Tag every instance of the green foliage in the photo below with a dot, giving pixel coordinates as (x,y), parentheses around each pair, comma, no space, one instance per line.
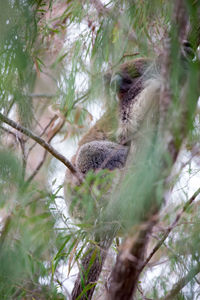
(36,238)
(28,241)
(18,33)
(10,176)
(88,199)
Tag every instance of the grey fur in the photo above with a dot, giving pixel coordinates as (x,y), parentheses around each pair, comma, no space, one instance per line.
(98,155)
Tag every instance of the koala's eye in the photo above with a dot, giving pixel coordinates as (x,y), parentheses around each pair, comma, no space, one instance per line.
(127,81)
(187,50)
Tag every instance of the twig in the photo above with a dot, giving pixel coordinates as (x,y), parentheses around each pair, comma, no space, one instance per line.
(10,107)
(142,294)
(24,157)
(42,95)
(174,223)
(81,98)
(42,143)
(44,155)
(4,231)
(14,134)
(43,132)
(38,167)
(101,9)
(181,283)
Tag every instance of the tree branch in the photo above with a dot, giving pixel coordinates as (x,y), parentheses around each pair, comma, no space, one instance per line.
(174,223)
(42,95)
(43,132)
(91,267)
(181,283)
(124,276)
(101,9)
(42,143)
(45,153)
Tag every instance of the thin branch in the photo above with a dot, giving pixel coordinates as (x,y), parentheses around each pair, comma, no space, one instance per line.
(180,260)
(43,132)
(38,167)
(14,134)
(101,9)
(181,283)
(10,107)
(24,157)
(42,95)
(45,154)
(174,223)
(42,143)
(142,294)
(81,98)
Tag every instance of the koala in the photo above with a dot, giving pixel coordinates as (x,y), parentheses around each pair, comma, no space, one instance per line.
(131,124)
(137,85)
(105,146)
(97,150)
(107,143)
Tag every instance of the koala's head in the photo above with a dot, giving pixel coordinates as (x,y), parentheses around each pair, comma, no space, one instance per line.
(128,79)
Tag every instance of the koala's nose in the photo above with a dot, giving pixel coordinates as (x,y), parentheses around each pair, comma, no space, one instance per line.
(116,83)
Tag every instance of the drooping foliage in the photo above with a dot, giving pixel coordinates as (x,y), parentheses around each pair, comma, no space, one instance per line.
(53,58)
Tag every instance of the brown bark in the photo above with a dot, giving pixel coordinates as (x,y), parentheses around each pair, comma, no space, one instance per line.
(90,269)
(124,276)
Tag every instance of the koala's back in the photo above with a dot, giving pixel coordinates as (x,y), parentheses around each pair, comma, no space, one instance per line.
(98,155)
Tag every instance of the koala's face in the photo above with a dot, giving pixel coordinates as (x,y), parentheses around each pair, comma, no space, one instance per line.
(126,83)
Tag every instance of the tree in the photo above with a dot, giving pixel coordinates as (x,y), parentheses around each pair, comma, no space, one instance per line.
(53,58)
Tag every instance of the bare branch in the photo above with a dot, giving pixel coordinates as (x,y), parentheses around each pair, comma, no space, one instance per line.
(42,143)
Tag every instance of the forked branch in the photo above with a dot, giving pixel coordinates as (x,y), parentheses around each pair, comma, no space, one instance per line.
(42,143)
